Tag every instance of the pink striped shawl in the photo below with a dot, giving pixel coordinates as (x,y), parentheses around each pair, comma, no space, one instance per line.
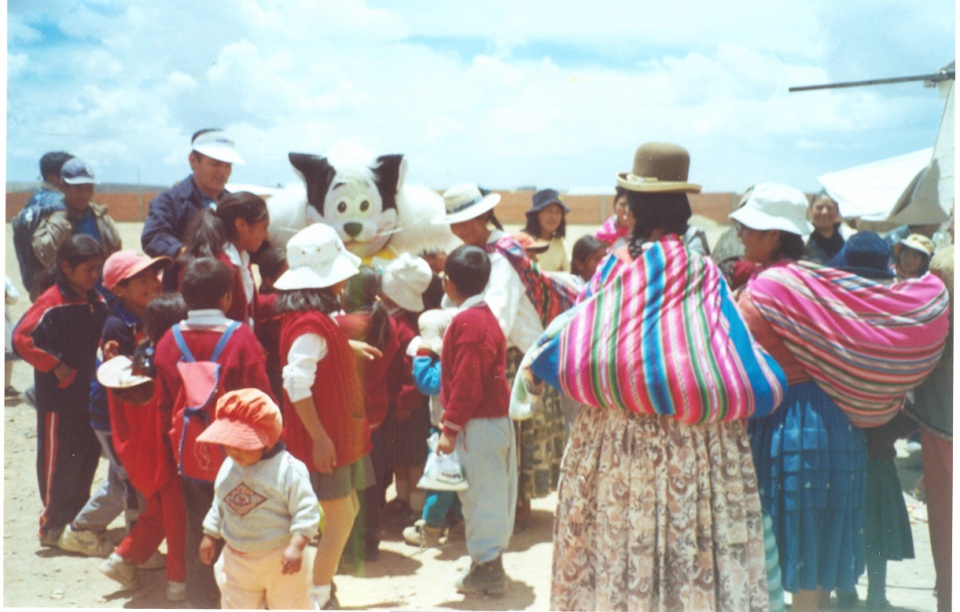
(661,336)
(865,343)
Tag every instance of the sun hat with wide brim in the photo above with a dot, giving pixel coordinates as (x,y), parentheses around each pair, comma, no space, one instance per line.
(544,198)
(773,206)
(659,167)
(317,259)
(464,202)
(529,243)
(117,373)
(917,242)
(404,281)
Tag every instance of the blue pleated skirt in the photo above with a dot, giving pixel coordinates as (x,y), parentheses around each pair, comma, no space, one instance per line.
(811,468)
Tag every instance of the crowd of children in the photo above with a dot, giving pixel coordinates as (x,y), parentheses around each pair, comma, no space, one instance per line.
(243,422)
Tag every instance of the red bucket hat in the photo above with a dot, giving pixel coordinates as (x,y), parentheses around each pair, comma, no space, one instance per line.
(246,419)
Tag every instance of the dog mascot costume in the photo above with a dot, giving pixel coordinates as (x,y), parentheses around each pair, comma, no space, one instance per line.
(375,214)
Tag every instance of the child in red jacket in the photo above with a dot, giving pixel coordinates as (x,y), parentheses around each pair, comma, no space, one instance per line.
(476,402)
(206,286)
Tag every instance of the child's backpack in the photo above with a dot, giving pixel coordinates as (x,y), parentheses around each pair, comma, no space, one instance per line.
(194,409)
(24,225)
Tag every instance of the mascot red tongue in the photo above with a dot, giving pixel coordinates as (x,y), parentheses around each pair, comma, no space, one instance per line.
(375,214)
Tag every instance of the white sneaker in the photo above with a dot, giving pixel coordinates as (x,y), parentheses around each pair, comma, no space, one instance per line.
(116,568)
(176,591)
(84,542)
(157,560)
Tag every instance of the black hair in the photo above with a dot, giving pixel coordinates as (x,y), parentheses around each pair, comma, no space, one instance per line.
(199,133)
(791,247)
(75,250)
(491,218)
(210,230)
(52,162)
(619,192)
(205,281)
(301,300)
(468,268)
(162,313)
(361,294)
(271,261)
(433,296)
(585,246)
(667,212)
(533,225)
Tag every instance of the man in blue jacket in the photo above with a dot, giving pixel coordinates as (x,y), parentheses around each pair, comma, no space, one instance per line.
(212,156)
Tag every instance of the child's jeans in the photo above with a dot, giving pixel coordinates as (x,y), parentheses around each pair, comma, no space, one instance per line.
(254,581)
(488,454)
(114,496)
(438,504)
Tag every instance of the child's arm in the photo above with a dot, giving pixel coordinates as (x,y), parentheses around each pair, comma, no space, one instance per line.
(293,555)
(304,515)
(37,342)
(211,533)
(465,394)
(298,377)
(426,374)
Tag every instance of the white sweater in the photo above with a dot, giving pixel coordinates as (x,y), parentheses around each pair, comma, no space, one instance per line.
(260,507)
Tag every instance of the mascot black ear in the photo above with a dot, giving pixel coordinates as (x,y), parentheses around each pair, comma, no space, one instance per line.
(388,174)
(317,175)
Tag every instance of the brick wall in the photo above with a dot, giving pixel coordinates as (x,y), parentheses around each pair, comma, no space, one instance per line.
(584,209)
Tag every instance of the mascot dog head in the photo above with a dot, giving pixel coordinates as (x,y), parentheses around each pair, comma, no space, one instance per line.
(360,203)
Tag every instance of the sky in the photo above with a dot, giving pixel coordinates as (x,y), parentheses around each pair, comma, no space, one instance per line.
(503,93)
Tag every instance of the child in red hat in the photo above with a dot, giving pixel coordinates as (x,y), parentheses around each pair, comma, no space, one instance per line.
(264,509)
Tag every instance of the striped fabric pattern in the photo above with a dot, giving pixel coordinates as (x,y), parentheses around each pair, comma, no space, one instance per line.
(661,336)
(864,342)
(549,296)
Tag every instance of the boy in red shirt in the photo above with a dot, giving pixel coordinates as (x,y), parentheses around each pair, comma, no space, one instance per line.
(476,401)
(207,289)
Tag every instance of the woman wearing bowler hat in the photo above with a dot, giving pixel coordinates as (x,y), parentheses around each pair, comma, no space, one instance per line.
(547,220)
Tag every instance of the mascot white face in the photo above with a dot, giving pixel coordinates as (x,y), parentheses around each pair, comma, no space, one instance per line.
(353,206)
(359,202)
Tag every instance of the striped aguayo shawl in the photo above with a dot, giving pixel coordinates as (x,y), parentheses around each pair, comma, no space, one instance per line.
(661,336)
(864,342)
(549,296)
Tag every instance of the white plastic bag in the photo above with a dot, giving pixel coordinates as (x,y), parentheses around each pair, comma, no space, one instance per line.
(442,472)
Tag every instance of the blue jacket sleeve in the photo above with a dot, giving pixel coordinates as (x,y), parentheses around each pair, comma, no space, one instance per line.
(426,375)
(159,230)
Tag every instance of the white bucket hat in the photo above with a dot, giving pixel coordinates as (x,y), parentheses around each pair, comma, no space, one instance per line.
(217,145)
(404,281)
(117,373)
(317,259)
(464,202)
(773,206)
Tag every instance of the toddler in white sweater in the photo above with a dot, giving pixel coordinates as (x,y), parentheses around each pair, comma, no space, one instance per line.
(264,509)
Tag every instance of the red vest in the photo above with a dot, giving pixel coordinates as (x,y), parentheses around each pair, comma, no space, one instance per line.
(336,392)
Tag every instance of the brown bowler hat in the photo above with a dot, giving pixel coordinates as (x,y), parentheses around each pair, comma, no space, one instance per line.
(659,167)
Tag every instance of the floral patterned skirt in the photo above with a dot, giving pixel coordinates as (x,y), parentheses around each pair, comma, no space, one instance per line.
(654,514)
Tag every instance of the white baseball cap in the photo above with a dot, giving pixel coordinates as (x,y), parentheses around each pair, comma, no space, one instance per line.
(217,145)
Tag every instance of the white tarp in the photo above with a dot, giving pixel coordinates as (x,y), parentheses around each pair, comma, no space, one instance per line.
(872,190)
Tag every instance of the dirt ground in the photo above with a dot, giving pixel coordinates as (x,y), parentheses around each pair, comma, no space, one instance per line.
(403,578)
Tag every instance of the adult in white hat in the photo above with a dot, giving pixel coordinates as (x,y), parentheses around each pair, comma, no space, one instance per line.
(324,422)
(470,214)
(212,156)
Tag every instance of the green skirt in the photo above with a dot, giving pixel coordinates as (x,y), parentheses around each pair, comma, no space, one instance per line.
(887,529)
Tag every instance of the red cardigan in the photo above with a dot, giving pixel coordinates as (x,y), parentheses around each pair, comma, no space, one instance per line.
(400,376)
(473,362)
(336,392)
(373,374)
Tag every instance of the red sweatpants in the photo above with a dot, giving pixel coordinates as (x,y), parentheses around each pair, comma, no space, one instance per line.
(165,516)
(938,481)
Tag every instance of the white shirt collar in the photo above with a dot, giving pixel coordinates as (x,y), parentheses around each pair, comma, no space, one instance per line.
(207,317)
(470,302)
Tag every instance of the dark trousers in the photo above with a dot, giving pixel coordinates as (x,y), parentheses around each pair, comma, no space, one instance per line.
(365,535)
(202,589)
(67,456)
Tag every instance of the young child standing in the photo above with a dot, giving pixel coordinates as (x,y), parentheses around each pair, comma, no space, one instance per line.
(59,336)
(325,424)
(207,290)
(236,229)
(476,401)
(405,279)
(265,509)
(271,263)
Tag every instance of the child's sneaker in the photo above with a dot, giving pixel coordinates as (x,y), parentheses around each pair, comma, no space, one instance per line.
(176,591)
(422,535)
(488,578)
(116,568)
(51,538)
(84,542)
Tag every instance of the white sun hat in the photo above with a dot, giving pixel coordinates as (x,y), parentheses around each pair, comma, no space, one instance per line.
(404,281)
(464,202)
(217,145)
(117,373)
(317,259)
(774,206)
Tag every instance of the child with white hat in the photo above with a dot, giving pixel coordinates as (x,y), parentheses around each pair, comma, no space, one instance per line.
(326,427)
(264,508)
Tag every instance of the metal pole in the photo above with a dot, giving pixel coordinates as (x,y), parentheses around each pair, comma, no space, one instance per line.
(933,78)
